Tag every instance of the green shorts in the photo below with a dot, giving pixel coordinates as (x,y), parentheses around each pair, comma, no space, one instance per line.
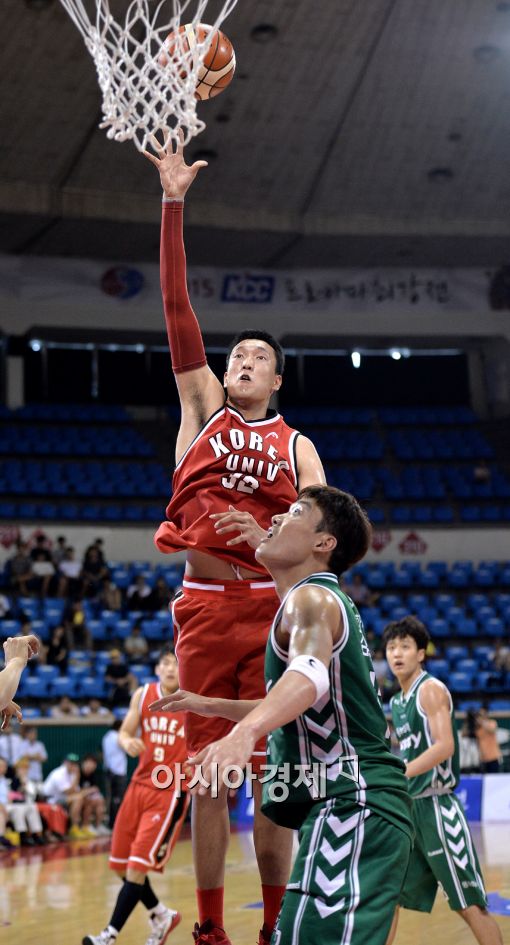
(444,856)
(346,880)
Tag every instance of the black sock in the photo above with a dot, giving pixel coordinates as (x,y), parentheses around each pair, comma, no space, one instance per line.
(128,897)
(148,896)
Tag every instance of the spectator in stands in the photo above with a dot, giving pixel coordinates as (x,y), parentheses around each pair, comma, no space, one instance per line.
(22,808)
(69,575)
(117,675)
(94,806)
(43,570)
(78,634)
(5,608)
(94,572)
(97,546)
(62,786)
(135,645)
(4,800)
(160,596)
(20,569)
(40,549)
(115,768)
(11,747)
(59,550)
(380,666)
(138,594)
(358,591)
(481,472)
(64,709)
(110,597)
(57,651)
(35,752)
(500,657)
(95,710)
(486,732)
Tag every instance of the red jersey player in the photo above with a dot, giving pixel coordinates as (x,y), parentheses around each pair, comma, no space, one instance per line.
(151,816)
(238,463)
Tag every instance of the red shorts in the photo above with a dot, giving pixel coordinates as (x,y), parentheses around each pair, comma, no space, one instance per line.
(221,631)
(146,828)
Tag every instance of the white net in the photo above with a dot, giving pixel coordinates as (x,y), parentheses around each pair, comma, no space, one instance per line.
(145,87)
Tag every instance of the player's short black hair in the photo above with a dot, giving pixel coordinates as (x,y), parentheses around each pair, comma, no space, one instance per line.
(408,626)
(342,517)
(166,650)
(260,336)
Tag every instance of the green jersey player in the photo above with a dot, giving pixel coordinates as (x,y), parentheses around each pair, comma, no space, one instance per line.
(332,774)
(443,853)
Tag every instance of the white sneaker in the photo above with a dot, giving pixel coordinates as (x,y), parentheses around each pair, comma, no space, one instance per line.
(103,831)
(161,926)
(104,938)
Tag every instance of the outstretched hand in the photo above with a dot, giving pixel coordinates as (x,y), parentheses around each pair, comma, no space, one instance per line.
(176,176)
(242,522)
(11,710)
(182,701)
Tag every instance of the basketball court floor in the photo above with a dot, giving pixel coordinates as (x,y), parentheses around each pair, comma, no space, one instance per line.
(55,896)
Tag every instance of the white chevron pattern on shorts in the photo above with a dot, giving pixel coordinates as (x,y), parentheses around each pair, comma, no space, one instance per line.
(325,911)
(457,847)
(335,856)
(325,729)
(453,829)
(449,813)
(461,863)
(329,886)
(339,827)
(328,757)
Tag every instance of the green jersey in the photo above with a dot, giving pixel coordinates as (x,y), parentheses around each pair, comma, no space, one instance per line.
(413,732)
(339,748)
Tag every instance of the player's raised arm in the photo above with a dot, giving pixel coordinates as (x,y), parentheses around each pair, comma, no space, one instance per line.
(200,391)
(309,467)
(128,740)
(435,702)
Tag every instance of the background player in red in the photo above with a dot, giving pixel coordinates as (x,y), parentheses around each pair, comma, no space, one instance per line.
(150,817)
(238,463)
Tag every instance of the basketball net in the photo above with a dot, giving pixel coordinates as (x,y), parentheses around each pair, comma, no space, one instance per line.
(145,90)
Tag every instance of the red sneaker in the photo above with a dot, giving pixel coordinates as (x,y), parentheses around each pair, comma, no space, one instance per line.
(265,935)
(210,934)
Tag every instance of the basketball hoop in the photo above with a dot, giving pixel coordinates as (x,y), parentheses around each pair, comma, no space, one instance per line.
(144,89)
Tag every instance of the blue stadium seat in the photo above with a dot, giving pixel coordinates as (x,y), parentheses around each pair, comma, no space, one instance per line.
(97,629)
(428,578)
(65,686)
(466,627)
(438,667)
(439,628)
(34,687)
(153,630)
(456,652)
(469,705)
(49,673)
(120,711)
(493,627)
(444,601)
(92,687)
(460,682)
(467,666)
(499,705)
(417,601)
(9,628)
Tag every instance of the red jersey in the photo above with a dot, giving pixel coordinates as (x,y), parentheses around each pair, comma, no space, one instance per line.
(163,735)
(250,464)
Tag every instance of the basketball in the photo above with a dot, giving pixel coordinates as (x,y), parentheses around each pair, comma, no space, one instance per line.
(218,66)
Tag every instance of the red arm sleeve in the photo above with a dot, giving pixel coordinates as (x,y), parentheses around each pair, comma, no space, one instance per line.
(184,335)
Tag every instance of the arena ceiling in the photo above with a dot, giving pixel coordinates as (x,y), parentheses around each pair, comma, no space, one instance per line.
(357,133)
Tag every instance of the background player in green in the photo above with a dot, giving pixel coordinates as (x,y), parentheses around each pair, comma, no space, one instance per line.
(323,707)
(443,852)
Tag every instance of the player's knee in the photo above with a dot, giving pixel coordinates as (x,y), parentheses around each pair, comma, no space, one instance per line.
(135,876)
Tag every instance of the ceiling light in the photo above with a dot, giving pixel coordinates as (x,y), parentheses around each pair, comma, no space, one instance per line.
(356,359)
(35,344)
(396,354)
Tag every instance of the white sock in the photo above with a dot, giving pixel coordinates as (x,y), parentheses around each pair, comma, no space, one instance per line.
(111,931)
(160,909)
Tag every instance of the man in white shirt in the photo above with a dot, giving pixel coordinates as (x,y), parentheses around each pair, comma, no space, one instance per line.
(11,746)
(115,768)
(62,787)
(35,751)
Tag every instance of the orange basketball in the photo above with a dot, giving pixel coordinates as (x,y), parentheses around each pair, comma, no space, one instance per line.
(217,69)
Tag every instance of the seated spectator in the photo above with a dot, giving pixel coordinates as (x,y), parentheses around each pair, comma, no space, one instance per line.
(59,550)
(43,570)
(78,634)
(95,710)
(160,596)
(94,804)
(358,591)
(41,548)
(35,752)
(62,786)
(138,594)
(486,733)
(97,546)
(500,657)
(20,569)
(135,645)
(57,651)
(110,597)
(69,575)
(124,683)
(481,472)
(94,572)
(64,709)
(22,808)
(5,786)
(115,768)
